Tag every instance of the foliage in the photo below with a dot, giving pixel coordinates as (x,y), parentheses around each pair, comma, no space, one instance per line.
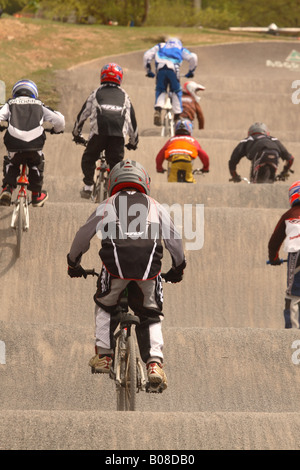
(12,6)
(213,13)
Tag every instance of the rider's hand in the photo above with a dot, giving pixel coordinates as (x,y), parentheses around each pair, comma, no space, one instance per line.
(190,74)
(275,262)
(79,139)
(175,275)
(77,271)
(149,73)
(283,175)
(130,146)
(74,269)
(236,178)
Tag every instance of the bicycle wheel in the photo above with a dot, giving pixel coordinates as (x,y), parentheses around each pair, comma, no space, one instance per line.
(100,191)
(130,375)
(20,226)
(119,370)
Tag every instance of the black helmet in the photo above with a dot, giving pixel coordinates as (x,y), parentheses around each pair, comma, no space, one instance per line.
(128,174)
(258,128)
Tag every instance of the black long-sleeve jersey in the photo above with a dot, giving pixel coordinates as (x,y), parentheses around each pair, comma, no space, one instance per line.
(253,146)
(110,112)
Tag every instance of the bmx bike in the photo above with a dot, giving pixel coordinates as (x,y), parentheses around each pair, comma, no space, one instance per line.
(99,192)
(181,174)
(127,370)
(20,216)
(168,125)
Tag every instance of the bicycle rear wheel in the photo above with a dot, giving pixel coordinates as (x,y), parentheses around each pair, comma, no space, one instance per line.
(20,226)
(130,375)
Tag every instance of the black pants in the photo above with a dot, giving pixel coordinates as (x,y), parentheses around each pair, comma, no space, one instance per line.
(35,163)
(114,153)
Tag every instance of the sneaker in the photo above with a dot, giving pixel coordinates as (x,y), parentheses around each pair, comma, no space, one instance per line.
(38,199)
(5,196)
(101,364)
(86,192)
(156,376)
(157,117)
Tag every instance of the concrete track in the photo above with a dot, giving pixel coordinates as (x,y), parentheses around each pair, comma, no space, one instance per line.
(232,368)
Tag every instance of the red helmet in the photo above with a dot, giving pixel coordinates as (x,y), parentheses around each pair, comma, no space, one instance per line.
(294,193)
(111,73)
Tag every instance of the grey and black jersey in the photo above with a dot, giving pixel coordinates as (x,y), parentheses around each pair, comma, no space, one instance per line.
(110,112)
(25,117)
(132,226)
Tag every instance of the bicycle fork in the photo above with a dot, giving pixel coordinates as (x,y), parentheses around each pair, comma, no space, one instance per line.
(16,211)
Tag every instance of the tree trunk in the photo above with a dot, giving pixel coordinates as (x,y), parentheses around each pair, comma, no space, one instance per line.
(146,10)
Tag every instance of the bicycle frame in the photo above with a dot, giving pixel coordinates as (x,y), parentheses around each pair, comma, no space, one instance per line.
(20,216)
(168,126)
(99,193)
(22,182)
(127,371)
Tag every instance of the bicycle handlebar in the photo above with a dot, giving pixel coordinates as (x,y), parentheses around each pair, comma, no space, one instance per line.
(281,261)
(91,272)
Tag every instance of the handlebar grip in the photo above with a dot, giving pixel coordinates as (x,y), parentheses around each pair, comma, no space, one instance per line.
(281,260)
(91,272)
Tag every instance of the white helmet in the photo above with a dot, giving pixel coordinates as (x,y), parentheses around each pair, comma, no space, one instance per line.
(128,174)
(192,89)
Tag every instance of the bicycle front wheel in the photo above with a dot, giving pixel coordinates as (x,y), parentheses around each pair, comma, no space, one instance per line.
(20,226)
(130,383)
(100,191)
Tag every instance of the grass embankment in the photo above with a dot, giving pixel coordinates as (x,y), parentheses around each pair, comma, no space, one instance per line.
(35,49)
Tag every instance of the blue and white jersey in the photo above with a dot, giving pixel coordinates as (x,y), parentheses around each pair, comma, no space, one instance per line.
(170,54)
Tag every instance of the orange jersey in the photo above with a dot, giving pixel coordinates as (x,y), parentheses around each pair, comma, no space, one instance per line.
(180,146)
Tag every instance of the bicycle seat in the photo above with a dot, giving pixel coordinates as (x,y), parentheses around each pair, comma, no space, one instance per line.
(128,319)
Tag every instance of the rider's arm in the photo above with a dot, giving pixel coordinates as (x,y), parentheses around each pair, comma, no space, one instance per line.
(160,158)
(55,117)
(237,154)
(149,56)
(84,114)
(277,237)
(4,112)
(172,238)
(285,155)
(200,116)
(81,242)
(132,127)
(202,155)
(191,58)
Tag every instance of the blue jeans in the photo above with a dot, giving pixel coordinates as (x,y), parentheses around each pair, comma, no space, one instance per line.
(166,77)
